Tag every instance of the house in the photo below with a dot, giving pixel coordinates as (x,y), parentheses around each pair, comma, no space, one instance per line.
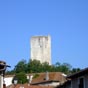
(66,84)
(42,79)
(49,79)
(27,86)
(8,79)
(79,79)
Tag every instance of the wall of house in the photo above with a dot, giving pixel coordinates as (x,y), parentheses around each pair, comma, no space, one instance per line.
(8,80)
(86,81)
(74,83)
(54,84)
(68,86)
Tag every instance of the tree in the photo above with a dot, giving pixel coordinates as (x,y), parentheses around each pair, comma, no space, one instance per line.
(74,70)
(21,77)
(57,64)
(34,66)
(21,66)
(65,67)
(46,67)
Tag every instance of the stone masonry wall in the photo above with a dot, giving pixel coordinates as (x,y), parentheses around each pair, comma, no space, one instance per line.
(41,48)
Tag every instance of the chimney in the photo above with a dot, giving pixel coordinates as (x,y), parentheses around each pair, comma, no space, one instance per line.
(30,78)
(47,76)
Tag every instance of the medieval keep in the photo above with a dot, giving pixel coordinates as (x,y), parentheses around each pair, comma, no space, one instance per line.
(41,48)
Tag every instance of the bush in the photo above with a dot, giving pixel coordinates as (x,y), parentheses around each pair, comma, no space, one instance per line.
(36,75)
(21,77)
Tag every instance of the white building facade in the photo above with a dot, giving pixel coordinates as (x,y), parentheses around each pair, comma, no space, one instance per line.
(41,48)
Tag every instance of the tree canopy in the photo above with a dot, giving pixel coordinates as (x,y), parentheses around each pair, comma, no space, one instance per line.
(34,66)
(20,77)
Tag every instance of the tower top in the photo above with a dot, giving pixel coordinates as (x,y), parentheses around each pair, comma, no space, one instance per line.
(40,36)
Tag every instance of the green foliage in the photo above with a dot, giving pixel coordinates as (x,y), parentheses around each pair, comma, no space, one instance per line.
(74,70)
(10,72)
(46,67)
(65,68)
(21,77)
(36,75)
(34,66)
(21,66)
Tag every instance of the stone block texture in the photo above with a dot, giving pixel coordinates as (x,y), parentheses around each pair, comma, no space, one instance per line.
(41,48)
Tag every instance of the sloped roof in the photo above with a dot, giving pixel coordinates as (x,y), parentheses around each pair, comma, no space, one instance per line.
(53,76)
(78,74)
(27,86)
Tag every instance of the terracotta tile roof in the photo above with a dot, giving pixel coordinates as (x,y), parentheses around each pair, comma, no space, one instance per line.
(27,86)
(53,76)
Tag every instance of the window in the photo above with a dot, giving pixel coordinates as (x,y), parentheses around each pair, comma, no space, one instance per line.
(81,82)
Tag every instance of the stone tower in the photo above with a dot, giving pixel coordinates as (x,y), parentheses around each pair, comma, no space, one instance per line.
(41,48)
